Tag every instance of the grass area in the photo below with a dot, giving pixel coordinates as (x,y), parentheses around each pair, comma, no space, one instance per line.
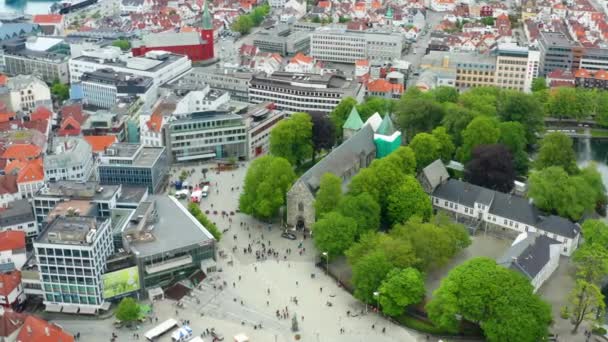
(599,133)
(420,325)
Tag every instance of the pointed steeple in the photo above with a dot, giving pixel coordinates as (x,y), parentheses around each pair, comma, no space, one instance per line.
(354,121)
(386,127)
(207,19)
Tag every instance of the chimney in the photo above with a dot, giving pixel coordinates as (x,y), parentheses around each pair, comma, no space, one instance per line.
(47,331)
(29,330)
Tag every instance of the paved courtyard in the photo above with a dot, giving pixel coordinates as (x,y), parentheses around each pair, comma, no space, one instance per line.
(255,289)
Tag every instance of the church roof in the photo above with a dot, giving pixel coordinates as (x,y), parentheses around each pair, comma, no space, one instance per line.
(207,19)
(354,121)
(386,127)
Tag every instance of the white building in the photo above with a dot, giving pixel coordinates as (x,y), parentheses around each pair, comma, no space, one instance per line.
(532,69)
(12,248)
(160,66)
(260,120)
(104,87)
(443,5)
(11,291)
(18,217)
(71,159)
(9,191)
(344,46)
(26,92)
(202,100)
(71,254)
(302,64)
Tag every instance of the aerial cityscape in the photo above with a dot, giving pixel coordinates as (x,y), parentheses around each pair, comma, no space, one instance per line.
(303,170)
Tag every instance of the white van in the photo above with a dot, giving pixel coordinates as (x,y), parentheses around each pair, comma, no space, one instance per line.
(182,334)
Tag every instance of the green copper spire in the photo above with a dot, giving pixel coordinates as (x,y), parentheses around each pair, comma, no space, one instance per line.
(354,121)
(207,19)
(389,13)
(386,127)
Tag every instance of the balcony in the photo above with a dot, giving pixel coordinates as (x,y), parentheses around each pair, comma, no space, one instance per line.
(168,264)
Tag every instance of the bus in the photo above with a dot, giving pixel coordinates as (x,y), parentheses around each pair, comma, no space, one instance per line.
(161,329)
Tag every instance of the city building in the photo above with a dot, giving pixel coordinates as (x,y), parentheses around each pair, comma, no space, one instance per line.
(50,24)
(206,135)
(103,87)
(24,93)
(555,52)
(283,40)
(12,249)
(70,158)
(512,67)
(202,99)
(23,57)
(345,46)
(168,243)
(11,291)
(151,126)
(18,217)
(534,256)
(35,329)
(135,165)
(591,79)
(493,210)
(71,253)
(160,66)
(104,198)
(198,46)
(30,175)
(9,191)
(236,83)
(11,323)
(295,92)
(474,70)
(260,120)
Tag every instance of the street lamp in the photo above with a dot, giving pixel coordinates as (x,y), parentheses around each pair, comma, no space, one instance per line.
(377,296)
(326,255)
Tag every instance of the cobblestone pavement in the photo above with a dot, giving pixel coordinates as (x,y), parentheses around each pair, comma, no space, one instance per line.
(253,290)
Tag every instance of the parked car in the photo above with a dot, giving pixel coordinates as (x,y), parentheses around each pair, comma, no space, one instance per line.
(288,235)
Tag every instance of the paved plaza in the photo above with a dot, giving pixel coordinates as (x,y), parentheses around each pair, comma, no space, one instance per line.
(254,290)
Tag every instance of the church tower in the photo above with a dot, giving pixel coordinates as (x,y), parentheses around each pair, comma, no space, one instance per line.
(207,31)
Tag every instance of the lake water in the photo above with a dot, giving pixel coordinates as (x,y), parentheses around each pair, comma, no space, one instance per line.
(593,151)
(25,6)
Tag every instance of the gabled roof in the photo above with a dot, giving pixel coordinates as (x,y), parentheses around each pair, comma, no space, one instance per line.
(435,173)
(38,330)
(559,226)
(8,282)
(7,116)
(11,240)
(463,193)
(32,172)
(8,184)
(100,142)
(155,124)
(70,123)
(374,121)
(528,254)
(386,127)
(353,121)
(10,321)
(21,151)
(41,113)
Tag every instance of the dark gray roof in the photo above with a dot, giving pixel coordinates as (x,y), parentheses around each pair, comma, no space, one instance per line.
(341,158)
(463,193)
(529,255)
(515,208)
(558,225)
(435,173)
(19,211)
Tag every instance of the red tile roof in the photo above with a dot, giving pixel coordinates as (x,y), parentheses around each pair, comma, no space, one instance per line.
(32,172)
(383,86)
(11,240)
(73,110)
(69,125)
(155,124)
(38,330)
(9,281)
(41,113)
(100,142)
(362,62)
(7,116)
(8,184)
(39,125)
(581,73)
(10,321)
(3,79)
(301,58)
(601,75)
(47,19)
(21,151)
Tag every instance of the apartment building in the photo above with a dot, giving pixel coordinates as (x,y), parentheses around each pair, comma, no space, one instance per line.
(160,66)
(71,254)
(236,83)
(512,67)
(556,51)
(260,120)
(473,70)
(283,40)
(71,158)
(205,135)
(345,46)
(103,87)
(134,165)
(26,93)
(46,65)
(294,92)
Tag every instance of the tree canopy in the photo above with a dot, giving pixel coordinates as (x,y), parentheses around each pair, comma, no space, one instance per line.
(481,131)
(363,209)
(418,114)
(408,200)
(500,300)
(556,150)
(334,233)
(523,108)
(491,166)
(400,289)
(267,181)
(426,149)
(513,136)
(368,274)
(60,90)
(292,138)
(123,44)
(128,310)
(323,133)
(329,194)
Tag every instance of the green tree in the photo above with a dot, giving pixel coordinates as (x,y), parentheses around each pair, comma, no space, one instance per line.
(363,209)
(195,210)
(456,119)
(481,131)
(591,262)
(513,136)
(481,100)
(595,233)
(400,289)
(123,44)
(374,105)
(523,108)
(377,180)
(488,21)
(445,94)
(446,145)
(243,24)
(334,233)
(60,90)
(593,178)
(328,195)
(339,115)
(563,102)
(556,150)
(292,138)
(586,301)
(601,114)
(501,301)
(418,115)
(128,310)
(539,84)
(368,274)
(407,200)
(396,249)
(426,149)
(266,183)
(553,190)
(404,159)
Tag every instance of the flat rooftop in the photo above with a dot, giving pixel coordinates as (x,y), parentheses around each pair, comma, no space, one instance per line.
(78,207)
(137,154)
(79,190)
(135,63)
(70,230)
(556,38)
(132,194)
(175,228)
